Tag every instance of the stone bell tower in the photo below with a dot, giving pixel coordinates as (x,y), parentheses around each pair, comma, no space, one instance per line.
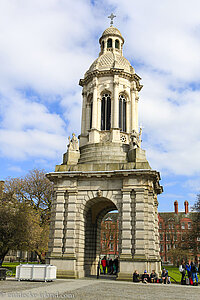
(106,170)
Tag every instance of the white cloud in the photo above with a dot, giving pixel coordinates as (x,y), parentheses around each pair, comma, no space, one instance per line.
(46,47)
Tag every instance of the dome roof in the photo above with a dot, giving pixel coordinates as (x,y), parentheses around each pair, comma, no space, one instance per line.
(110,60)
(112,31)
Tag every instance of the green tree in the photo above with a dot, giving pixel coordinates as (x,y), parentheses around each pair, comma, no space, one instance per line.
(35,191)
(19,225)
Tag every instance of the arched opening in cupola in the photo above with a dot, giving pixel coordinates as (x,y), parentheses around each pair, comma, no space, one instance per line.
(117,44)
(109,43)
(106,112)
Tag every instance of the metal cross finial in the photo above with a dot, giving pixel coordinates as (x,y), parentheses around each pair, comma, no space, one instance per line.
(112,16)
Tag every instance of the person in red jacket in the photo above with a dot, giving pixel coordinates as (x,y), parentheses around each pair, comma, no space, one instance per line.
(104,263)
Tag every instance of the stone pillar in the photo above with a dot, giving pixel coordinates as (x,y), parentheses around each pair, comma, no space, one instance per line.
(115,112)
(70,236)
(136,111)
(70,224)
(94,107)
(128,116)
(57,225)
(133,109)
(139,225)
(83,120)
(126,237)
(116,102)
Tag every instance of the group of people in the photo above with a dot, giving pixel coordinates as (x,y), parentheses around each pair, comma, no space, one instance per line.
(190,269)
(110,266)
(151,278)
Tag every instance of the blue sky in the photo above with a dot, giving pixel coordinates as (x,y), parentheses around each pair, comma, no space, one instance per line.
(47,46)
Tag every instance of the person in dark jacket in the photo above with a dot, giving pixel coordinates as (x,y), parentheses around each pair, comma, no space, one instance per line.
(194,270)
(153,277)
(116,264)
(164,276)
(136,276)
(183,271)
(145,277)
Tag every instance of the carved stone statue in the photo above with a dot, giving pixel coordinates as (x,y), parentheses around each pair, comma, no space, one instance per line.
(135,141)
(73,143)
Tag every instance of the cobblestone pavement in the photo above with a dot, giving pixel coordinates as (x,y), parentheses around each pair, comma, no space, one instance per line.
(92,289)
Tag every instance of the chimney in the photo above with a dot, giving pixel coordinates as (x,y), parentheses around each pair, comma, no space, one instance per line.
(186,207)
(176,207)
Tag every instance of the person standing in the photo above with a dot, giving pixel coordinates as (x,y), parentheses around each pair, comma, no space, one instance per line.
(194,270)
(104,263)
(182,269)
(116,263)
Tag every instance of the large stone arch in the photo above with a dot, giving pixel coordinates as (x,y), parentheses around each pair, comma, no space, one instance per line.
(94,211)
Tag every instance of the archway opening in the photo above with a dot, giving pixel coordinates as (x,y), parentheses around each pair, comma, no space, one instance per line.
(95,210)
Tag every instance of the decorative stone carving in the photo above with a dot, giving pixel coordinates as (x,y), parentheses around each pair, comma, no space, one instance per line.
(73,143)
(99,193)
(72,155)
(105,136)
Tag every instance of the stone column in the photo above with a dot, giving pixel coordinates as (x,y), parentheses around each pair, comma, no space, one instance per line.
(115,112)
(126,244)
(94,107)
(56,228)
(132,109)
(70,226)
(83,120)
(128,116)
(116,102)
(136,111)
(139,224)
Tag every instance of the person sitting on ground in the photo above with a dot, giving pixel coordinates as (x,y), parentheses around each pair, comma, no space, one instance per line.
(153,277)
(164,276)
(136,276)
(145,277)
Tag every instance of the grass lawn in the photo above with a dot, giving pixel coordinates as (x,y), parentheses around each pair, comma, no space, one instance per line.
(12,266)
(174,273)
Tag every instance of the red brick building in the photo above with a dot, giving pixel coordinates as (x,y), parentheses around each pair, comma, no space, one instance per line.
(174,228)
(110,234)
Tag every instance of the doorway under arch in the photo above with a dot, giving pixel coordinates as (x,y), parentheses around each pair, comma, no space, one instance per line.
(94,212)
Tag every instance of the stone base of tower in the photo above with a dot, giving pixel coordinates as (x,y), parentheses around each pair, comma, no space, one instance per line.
(82,199)
(127,268)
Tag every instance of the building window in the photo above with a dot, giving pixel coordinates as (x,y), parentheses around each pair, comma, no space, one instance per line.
(168,247)
(172,226)
(189,225)
(161,237)
(182,225)
(105,112)
(168,236)
(160,225)
(111,247)
(117,44)
(109,43)
(122,112)
(161,248)
(169,226)
(103,45)
(175,237)
(111,236)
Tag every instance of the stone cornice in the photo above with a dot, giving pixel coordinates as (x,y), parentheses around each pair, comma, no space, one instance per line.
(154,175)
(114,71)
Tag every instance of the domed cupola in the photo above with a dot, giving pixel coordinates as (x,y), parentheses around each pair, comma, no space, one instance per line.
(110,102)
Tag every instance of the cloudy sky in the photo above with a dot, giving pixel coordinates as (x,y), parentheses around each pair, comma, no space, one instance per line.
(46,47)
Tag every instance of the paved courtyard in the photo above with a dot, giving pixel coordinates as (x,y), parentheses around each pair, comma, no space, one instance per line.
(93,289)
